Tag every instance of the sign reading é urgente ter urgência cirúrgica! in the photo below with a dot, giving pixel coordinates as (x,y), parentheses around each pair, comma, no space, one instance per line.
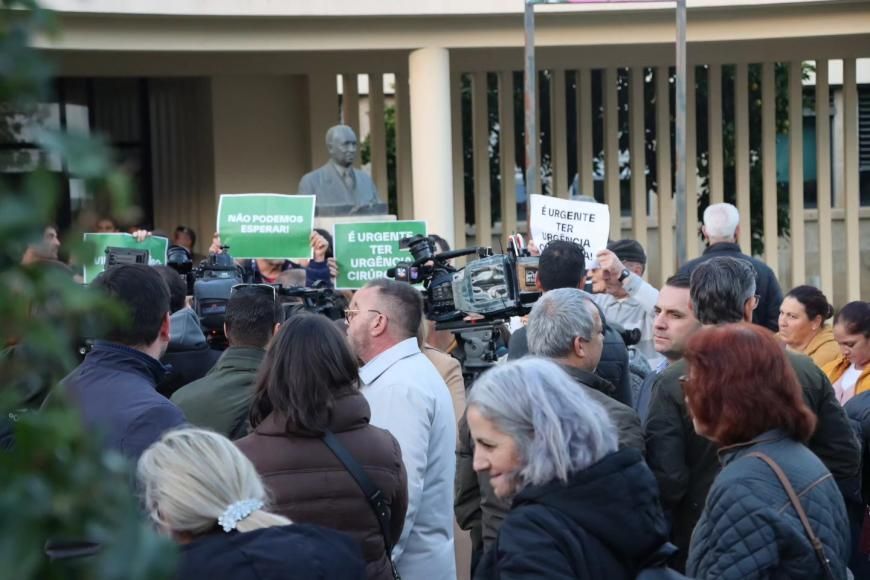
(587,224)
(364,251)
(266,225)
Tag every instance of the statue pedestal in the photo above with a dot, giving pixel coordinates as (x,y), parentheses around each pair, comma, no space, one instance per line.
(326,222)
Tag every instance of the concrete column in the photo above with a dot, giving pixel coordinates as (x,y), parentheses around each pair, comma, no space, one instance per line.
(264,150)
(431,139)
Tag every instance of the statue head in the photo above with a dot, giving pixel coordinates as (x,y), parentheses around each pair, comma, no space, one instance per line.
(341,144)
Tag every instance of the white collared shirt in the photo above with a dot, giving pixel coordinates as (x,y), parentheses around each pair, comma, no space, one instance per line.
(408,398)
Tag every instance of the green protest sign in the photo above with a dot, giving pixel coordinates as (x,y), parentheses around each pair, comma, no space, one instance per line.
(365,250)
(155,245)
(266,225)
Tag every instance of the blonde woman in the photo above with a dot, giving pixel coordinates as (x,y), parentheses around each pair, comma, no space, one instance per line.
(203,492)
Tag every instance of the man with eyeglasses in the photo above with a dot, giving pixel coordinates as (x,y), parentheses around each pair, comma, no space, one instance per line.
(408,397)
(722,291)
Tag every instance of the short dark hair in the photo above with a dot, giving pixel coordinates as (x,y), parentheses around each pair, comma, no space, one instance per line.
(855,316)
(719,289)
(813,300)
(177,287)
(441,244)
(250,318)
(679,280)
(404,305)
(562,265)
(144,297)
(728,395)
(307,367)
(188,231)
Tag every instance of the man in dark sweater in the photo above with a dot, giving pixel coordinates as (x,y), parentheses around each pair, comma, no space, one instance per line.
(114,387)
(221,399)
(721,229)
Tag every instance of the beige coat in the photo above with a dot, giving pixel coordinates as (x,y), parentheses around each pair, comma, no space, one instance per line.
(451,371)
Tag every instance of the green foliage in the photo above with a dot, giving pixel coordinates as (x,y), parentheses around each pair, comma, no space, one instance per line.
(55,483)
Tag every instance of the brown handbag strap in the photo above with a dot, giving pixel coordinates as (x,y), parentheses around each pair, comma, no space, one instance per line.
(796,502)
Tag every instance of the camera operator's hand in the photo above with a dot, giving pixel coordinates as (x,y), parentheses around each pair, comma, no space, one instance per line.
(610,265)
(532,247)
(333,268)
(141,235)
(320,247)
(215,247)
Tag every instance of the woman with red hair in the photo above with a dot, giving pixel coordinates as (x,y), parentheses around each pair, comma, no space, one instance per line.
(774,511)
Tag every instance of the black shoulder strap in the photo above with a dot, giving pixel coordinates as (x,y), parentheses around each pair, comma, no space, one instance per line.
(373,494)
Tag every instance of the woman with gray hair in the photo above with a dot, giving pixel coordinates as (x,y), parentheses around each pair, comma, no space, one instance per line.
(200,490)
(580,508)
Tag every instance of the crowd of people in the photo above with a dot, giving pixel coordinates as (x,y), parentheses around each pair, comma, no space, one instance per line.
(711,428)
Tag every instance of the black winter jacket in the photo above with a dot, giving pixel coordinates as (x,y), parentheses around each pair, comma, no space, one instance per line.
(188,356)
(766,285)
(749,528)
(685,463)
(294,552)
(475,504)
(600,525)
(858,410)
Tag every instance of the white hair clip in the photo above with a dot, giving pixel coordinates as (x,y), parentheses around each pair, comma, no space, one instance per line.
(238,511)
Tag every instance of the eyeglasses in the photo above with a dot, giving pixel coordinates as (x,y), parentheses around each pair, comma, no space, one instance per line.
(351,312)
(266,289)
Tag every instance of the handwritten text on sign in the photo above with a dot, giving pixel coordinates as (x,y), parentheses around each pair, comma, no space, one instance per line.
(584,223)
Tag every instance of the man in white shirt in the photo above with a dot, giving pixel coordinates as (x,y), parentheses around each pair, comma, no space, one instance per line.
(409,398)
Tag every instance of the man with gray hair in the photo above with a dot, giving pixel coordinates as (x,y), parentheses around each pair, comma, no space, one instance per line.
(565,327)
(722,291)
(720,230)
(408,398)
(340,188)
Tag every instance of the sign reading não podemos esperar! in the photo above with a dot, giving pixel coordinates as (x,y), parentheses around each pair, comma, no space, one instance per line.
(266,225)
(364,251)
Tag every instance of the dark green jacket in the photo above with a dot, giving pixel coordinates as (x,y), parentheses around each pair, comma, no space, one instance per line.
(221,399)
(685,463)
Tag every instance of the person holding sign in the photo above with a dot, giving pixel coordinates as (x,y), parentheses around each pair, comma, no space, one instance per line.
(267,271)
(623,295)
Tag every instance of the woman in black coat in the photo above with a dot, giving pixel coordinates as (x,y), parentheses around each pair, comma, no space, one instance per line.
(204,493)
(750,527)
(581,509)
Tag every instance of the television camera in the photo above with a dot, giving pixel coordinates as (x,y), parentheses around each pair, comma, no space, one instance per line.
(213,280)
(474,302)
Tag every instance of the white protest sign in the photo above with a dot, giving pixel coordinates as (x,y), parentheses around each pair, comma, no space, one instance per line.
(585,223)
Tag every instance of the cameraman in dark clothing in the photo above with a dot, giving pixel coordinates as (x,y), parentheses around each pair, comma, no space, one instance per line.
(188,356)
(115,387)
(563,265)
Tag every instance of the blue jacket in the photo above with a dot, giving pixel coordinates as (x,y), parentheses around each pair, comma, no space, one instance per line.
(749,528)
(603,524)
(115,391)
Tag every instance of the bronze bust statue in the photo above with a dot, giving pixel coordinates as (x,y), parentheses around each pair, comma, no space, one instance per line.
(340,188)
